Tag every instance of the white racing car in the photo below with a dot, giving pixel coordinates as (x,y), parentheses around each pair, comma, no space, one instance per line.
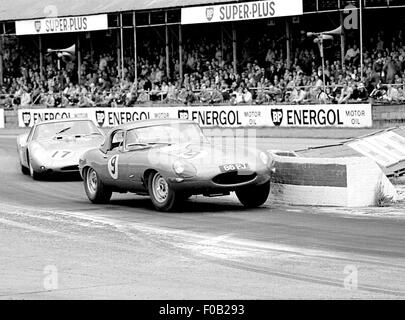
(56,146)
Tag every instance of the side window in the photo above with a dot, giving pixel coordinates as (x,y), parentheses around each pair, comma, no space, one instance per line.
(131,139)
(117,140)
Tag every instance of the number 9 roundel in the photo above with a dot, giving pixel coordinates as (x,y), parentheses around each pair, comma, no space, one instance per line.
(113,167)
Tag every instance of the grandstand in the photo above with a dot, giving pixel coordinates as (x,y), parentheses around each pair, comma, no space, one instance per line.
(121,53)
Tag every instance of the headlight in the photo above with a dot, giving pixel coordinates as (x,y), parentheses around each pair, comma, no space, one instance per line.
(264,157)
(184,169)
(178,167)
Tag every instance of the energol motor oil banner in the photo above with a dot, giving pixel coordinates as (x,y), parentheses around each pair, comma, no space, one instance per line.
(330,115)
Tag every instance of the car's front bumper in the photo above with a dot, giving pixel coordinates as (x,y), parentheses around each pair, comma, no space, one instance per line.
(207,186)
(67,166)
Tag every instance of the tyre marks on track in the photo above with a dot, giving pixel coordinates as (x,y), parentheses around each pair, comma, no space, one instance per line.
(223,249)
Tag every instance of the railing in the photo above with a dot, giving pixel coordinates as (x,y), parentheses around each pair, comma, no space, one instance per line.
(162,96)
(4,101)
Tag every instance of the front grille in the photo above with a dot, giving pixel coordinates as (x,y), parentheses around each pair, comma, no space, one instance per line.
(233,178)
(70,168)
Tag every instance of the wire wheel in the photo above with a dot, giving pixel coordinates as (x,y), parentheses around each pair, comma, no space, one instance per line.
(95,189)
(160,188)
(163,197)
(92,181)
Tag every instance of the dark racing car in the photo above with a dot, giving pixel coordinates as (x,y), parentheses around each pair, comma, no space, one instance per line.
(170,160)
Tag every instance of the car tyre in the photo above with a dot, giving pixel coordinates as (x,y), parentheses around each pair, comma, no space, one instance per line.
(25,170)
(163,197)
(95,189)
(253,197)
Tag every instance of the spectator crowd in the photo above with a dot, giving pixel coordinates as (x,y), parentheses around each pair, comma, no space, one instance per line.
(209,77)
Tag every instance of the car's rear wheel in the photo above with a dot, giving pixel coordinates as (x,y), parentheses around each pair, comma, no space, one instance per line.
(95,189)
(254,196)
(163,197)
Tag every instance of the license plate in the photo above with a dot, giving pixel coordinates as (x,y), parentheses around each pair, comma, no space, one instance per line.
(234,167)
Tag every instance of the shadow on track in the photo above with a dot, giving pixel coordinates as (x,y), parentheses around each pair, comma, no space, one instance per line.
(194,205)
(61,177)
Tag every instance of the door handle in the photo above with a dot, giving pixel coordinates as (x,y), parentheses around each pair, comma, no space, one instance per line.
(105,157)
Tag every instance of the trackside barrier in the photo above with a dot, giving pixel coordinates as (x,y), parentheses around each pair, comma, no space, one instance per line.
(2,121)
(385,147)
(343,182)
(320,116)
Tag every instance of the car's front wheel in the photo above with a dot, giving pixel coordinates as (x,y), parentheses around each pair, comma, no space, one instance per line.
(25,170)
(95,189)
(34,175)
(254,196)
(163,197)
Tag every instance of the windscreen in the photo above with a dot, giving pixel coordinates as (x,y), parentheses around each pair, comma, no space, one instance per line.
(165,134)
(51,130)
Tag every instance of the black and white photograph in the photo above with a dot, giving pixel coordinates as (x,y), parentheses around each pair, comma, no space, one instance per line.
(215,151)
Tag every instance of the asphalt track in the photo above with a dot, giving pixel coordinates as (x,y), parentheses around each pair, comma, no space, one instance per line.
(212,249)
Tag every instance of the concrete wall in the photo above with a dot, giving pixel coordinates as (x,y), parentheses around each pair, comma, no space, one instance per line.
(11,119)
(346,182)
(385,116)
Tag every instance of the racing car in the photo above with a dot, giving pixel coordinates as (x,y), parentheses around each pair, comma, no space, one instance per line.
(171,160)
(55,146)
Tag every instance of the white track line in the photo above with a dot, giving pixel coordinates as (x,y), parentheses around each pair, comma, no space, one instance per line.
(31,228)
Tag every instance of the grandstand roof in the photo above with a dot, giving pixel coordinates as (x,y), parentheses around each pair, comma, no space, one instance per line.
(27,9)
